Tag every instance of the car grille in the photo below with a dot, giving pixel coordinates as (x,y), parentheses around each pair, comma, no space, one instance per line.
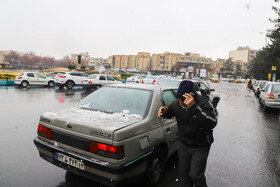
(73,141)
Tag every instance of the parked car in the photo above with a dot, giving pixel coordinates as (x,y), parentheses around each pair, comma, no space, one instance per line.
(270,96)
(202,88)
(70,79)
(113,135)
(149,79)
(30,78)
(136,79)
(237,80)
(96,81)
(259,87)
(215,78)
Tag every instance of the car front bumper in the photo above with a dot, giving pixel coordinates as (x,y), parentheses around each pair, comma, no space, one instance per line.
(96,170)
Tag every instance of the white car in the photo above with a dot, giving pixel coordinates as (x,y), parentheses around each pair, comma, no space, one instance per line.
(136,79)
(30,78)
(149,79)
(70,79)
(98,80)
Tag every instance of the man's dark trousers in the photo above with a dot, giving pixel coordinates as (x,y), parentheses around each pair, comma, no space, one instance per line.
(192,165)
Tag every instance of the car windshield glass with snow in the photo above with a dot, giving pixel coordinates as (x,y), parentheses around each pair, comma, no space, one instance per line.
(118,100)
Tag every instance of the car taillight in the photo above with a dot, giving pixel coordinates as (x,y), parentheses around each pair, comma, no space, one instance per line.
(90,82)
(44,131)
(62,76)
(270,96)
(105,150)
(133,79)
(81,81)
(154,81)
(142,81)
(19,77)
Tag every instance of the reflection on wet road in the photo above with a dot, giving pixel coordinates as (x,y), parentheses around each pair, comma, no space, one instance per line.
(245,152)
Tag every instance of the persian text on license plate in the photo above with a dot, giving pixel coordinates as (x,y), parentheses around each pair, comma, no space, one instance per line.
(70,161)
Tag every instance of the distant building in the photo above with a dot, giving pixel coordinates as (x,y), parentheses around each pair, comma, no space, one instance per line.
(217,65)
(189,62)
(243,54)
(85,59)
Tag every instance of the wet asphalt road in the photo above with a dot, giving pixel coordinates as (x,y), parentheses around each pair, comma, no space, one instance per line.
(246,151)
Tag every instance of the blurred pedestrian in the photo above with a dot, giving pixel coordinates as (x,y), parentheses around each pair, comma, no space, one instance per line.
(249,85)
(196,117)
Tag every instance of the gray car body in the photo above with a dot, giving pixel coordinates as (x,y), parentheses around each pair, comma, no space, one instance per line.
(139,137)
(269,103)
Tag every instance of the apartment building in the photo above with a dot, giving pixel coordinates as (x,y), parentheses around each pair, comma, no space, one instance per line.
(141,61)
(168,61)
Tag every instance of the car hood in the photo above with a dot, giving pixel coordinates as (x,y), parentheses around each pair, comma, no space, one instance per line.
(90,122)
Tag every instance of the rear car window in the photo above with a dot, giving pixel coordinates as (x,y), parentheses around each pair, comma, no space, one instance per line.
(84,75)
(276,88)
(30,75)
(262,84)
(168,97)
(20,74)
(102,77)
(93,76)
(109,78)
(116,100)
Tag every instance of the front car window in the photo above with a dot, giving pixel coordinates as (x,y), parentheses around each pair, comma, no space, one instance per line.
(109,78)
(39,75)
(135,101)
(84,75)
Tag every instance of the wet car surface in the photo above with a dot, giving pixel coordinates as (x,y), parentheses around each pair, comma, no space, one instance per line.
(245,152)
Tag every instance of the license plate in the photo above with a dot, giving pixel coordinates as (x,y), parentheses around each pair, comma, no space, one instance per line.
(70,161)
(85,80)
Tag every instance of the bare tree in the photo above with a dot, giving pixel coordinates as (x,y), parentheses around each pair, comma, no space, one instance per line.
(13,58)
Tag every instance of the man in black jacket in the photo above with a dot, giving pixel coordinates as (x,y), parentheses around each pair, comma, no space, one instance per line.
(196,117)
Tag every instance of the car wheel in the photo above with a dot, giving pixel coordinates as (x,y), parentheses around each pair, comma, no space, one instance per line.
(97,87)
(155,167)
(264,108)
(51,84)
(24,84)
(70,85)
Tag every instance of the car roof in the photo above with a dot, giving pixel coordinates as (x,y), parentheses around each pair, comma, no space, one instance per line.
(143,86)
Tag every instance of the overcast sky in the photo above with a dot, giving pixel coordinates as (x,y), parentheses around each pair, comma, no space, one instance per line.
(109,27)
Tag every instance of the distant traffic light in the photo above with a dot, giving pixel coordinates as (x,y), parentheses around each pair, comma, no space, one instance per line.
(79,59)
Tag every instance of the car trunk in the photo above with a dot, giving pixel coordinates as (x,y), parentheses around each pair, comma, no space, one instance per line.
(94,123)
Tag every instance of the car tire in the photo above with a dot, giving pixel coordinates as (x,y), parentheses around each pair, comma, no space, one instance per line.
(264,108)
(97,87)
(70,85)
(155,167)
(24,84)
(50,84)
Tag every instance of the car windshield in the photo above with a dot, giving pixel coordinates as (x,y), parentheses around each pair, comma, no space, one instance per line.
(174,83)
(117,100)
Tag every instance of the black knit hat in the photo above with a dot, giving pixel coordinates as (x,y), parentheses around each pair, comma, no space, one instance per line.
(185,86)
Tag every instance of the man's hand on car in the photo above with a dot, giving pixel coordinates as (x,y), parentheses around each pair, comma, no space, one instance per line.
(162,111)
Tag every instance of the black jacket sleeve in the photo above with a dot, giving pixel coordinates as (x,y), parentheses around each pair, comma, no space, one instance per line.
(206,115)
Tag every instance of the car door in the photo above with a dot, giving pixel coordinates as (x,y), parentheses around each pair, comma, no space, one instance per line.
(169,125)
(41,79)
(31,78)
(102,79)
(265,92)
(76,77)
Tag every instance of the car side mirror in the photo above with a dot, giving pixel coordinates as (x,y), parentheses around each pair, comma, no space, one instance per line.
(262,90)
(212,90)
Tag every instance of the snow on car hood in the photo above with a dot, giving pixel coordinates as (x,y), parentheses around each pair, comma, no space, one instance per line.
(97,120)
